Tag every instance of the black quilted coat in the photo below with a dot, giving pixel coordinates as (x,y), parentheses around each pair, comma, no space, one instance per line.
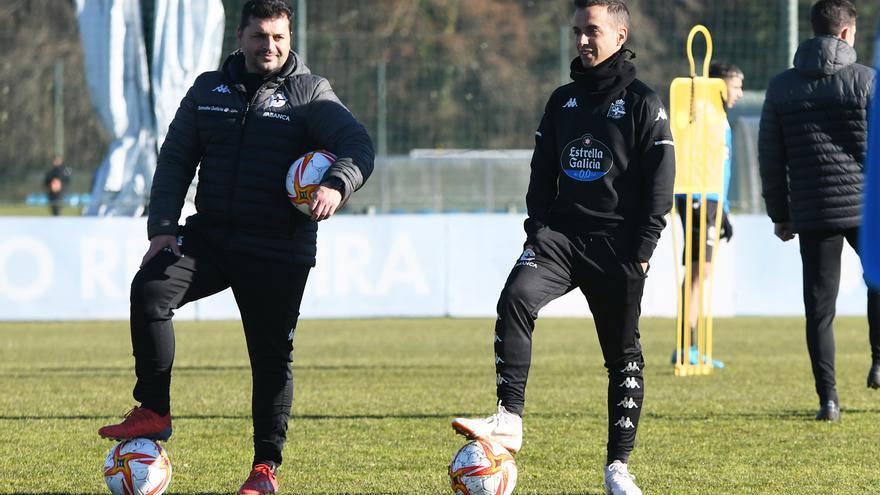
(244,148)
(813,138)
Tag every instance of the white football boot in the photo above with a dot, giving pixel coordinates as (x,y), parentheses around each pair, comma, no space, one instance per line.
(618,481)
(503,427)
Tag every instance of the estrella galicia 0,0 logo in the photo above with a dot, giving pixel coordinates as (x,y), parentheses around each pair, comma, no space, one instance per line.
(586,159)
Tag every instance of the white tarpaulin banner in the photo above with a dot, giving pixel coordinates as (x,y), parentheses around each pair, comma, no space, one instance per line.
(116,75)
(69,268)
(187,40)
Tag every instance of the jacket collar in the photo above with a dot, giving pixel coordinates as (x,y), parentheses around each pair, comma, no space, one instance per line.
(823,56)
(234,69)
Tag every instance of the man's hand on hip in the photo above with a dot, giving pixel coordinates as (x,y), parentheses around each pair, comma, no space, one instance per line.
(325,202)
(782,231)
(160,242)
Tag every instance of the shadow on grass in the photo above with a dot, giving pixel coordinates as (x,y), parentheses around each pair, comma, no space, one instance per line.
(793,414)
(788,415)
(98,370)
(295,417)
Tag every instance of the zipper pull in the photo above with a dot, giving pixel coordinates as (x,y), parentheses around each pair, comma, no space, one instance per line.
(244,116)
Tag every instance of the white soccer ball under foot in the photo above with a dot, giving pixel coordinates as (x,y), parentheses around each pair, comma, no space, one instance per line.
(137,467)
(482,467)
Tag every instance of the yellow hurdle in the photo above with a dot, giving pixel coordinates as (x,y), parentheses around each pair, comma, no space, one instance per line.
(698,121)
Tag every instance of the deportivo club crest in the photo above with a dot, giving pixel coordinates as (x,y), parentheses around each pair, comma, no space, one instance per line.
(586,159)
(278,100)
(617,110)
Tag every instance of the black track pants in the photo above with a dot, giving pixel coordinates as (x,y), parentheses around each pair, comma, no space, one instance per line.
(268,294)
(820,254)
(552,265)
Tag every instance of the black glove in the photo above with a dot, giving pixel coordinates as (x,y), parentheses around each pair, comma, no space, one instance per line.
(726,228)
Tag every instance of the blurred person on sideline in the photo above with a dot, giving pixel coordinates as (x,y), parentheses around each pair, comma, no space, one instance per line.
(811,148)
(601,183)
(733,79)
(869,243)
(244,125)
(56,181)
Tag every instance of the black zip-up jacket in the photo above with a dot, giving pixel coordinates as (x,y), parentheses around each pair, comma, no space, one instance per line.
(813,138)
(244,149)
(604,163)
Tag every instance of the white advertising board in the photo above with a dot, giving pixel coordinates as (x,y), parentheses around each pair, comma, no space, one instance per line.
(385,266)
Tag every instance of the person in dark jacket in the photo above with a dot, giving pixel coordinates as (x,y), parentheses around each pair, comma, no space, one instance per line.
(56,181)
(243,126)
(602,177)
(812,146)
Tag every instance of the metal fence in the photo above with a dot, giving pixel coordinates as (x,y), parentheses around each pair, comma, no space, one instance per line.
(418,77)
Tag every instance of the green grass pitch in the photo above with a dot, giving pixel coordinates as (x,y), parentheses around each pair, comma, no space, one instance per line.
(374,399)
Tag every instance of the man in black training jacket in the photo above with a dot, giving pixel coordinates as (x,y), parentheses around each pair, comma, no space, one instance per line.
(244,125)
(601,183)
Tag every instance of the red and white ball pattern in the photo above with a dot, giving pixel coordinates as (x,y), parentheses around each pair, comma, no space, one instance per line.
(304,177)
(137,467)
(482,468)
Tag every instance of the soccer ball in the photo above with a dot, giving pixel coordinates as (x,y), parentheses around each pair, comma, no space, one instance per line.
(482,467)
(305,175)
(137,467)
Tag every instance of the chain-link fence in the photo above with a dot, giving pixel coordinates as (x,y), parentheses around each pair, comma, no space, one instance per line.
(439,74)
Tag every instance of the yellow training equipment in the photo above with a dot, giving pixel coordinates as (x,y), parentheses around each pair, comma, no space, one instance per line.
(699,122)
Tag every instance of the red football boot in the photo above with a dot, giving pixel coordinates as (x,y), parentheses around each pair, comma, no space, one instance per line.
(140,422)
(260,482)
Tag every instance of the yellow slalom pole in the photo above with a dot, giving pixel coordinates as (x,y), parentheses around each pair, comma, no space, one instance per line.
(694,120)
(679,299)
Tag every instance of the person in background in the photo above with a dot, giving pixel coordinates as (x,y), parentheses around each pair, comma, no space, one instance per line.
(56,182)
(811,150)
(733,79)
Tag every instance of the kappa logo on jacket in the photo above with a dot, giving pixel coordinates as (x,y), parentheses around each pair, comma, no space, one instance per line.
(224,89)
(571,103)
(661,115)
